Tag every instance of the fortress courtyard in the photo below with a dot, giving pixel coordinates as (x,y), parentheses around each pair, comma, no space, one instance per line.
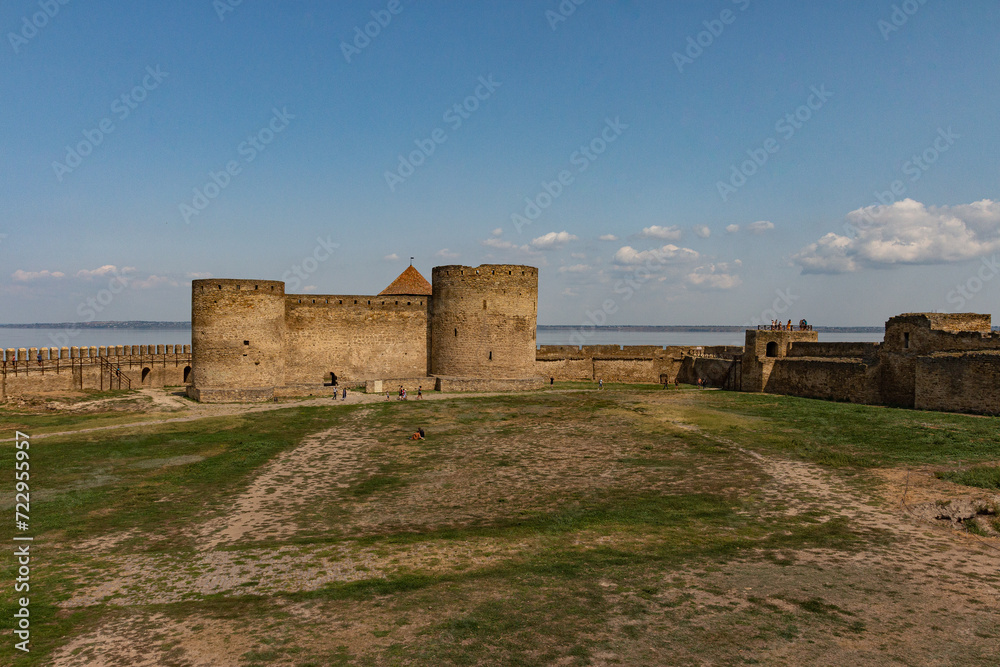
(634,525)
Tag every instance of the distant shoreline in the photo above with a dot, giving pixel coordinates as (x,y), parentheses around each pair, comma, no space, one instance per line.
(688,328)
(135,324)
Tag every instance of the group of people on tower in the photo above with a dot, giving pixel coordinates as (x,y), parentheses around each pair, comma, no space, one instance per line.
(776,325)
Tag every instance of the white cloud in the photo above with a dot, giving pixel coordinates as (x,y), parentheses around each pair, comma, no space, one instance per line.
(656,232)
(553,240)
(732,229)
(576,268)
(713,277)
(578,255)
(569,292)
(153,282)
(668,253)
(498,231)
(444,253)
(507,245)
(702,231)
(199,276)
(28,276)
(906,232)
(391,258)
(309,288)
(100,272)
(760,227)
(608,237)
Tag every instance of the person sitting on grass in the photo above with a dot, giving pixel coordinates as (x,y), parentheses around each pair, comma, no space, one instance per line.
(419,435)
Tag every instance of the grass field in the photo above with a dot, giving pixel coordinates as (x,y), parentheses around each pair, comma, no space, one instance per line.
(631,526)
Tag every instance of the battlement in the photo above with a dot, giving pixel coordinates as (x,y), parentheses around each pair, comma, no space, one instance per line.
(355,300)
(269,287)
(59,369)
(31,354)
(484,271)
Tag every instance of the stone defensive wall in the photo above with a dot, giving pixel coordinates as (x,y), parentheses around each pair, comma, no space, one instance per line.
(101,368)
(253,342)
(934,361)
(356,337)
(958,382)
(636,363)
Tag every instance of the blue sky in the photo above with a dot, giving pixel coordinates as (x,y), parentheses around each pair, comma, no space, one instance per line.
(652,113)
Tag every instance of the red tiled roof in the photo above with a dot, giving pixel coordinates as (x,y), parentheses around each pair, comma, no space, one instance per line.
(409,282)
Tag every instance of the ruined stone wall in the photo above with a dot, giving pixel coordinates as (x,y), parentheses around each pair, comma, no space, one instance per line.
(762,348)
(356,337)
(846,380)
(834,350)
(625,369)
(565,368)
(630,363)
(967,382)
(483,321)
(712,371)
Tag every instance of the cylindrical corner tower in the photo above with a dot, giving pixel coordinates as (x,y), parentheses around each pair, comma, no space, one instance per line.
(237,338)
(483,321)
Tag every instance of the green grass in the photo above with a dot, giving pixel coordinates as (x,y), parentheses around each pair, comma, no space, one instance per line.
(844,435)
(983,477)
(572,560)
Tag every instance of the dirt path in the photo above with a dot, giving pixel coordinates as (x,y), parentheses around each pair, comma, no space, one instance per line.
(321,464)
(209,410)
(924,548)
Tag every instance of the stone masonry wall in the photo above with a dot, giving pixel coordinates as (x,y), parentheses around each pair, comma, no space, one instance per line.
(237,333)
(830,379)
(968,382)
(629,363)
(356,337)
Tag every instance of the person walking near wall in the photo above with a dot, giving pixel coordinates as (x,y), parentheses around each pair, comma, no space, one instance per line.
(420,392)
(344,394)
(600,383)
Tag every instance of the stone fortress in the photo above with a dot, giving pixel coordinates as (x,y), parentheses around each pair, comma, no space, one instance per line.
(473,329)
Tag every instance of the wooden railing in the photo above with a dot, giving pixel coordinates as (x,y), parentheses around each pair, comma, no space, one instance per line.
(114,373)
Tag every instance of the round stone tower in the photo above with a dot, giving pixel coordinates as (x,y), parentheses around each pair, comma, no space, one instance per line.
(483,321)
(237,338)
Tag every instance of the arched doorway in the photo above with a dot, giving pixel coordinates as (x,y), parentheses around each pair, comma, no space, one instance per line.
(772,349)
(145,374)
(187,374)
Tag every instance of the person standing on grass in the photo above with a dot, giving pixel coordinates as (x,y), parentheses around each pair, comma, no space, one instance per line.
(600,383)
(344,394)
(387,396)
(420,392)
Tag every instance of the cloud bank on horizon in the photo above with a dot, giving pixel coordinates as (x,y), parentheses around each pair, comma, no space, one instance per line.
(905,232)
